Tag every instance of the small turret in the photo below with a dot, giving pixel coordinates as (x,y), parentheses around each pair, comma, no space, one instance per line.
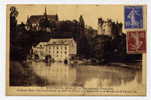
(100,26)
(104,27)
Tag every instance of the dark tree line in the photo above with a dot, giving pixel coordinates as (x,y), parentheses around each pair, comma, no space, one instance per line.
(112,49)
(89,45)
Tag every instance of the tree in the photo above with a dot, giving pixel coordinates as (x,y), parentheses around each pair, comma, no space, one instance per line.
(13,22)
(102,48)
(82,23)
(119,47)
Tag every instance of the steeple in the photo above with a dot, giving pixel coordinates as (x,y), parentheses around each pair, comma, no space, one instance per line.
(45,11)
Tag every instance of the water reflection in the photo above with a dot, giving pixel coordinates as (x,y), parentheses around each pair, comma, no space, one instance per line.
(56,73)
(87,75)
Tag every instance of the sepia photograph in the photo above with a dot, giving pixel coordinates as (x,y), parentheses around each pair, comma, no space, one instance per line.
(76,50)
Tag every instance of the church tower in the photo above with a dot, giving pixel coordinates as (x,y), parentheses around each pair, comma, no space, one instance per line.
(45,13)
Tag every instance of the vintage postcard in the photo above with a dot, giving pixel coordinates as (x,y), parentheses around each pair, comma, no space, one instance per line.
(76,50)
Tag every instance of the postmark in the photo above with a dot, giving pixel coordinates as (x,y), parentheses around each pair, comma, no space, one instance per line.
(136,42)
(133,17)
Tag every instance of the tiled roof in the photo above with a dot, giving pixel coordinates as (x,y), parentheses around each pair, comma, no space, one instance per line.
(37,18)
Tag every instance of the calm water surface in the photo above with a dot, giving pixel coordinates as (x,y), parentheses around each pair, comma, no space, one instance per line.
(89,76)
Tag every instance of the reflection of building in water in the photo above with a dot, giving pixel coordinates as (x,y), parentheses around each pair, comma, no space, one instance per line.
(61,74)
(104,77)
(56,73)
(58,49)
(87,76)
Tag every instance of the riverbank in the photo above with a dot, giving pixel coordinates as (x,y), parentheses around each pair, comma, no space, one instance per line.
(21,74)
(130,65)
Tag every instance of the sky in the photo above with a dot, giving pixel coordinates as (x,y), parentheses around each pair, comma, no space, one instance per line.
(90,13)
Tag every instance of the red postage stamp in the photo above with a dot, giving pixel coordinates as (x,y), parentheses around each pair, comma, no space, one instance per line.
(136,41)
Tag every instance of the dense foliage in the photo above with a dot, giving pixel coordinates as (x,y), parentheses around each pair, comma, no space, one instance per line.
(100,48)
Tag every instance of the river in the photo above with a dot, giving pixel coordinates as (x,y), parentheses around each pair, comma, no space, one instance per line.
(87,76)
